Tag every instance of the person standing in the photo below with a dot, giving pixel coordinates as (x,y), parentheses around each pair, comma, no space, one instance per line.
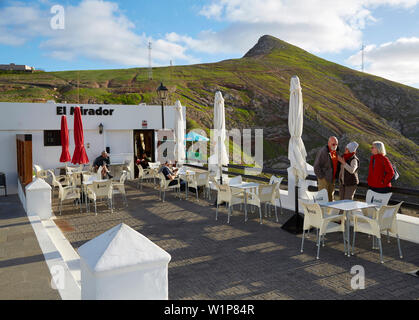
(380,171)
(348,175)
(326,166)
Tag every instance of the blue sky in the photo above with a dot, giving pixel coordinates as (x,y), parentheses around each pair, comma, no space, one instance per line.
(114,34)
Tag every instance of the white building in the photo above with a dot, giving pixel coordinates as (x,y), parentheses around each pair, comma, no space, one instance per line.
(16,67)
(128,130)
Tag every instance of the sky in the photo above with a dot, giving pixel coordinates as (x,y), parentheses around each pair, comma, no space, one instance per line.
(94,34)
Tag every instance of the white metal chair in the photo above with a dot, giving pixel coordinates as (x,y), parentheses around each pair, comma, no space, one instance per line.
(76,179)
(379,199)
(277,180)
(68,193)
(252,198)
(320,196)
(164,185)
(225,194)
(119,187)
(314,218)
(199,179)
(144,174)
(40,173)
(155,170)
(267,195)
(384,220)
(100,190)
(62,180)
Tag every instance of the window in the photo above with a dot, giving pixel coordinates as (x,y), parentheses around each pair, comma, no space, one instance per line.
(52,138)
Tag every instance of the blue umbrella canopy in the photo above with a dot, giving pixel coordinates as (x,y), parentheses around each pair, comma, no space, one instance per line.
(193,136)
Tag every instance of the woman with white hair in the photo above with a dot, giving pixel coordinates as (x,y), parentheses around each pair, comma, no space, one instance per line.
(348,175)
(380,171)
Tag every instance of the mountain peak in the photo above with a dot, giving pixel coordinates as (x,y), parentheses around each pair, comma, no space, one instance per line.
(265,45)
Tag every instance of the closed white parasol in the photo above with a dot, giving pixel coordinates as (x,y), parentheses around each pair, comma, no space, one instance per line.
(296,151)
(179,133)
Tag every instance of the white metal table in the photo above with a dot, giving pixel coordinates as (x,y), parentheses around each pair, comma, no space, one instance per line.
(184,175)
(347,206)
(245,186)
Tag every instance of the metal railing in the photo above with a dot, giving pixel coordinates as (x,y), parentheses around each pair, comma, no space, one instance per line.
(408,195)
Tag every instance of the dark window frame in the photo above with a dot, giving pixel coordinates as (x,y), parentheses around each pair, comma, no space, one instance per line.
(52,138)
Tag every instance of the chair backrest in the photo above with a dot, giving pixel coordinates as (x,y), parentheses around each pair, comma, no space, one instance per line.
(379,199)
(320,196)
(162,178)
(102,188)
(140,170)
(60,189)
(201,178)
(87,177)
(37,168)
(386,216)
(235,180)
(76,178)
(224,193)
(275,179)
(313,215)
(267,192)
(124,176)
(53,178)
(154,165)
(278,180)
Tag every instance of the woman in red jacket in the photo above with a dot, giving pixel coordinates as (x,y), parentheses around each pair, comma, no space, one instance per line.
(380,171)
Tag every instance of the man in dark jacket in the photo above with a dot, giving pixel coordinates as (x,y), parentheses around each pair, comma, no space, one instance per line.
(326,167)
(103,161)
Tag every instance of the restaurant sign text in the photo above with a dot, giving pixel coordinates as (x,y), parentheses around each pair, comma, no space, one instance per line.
(62,110)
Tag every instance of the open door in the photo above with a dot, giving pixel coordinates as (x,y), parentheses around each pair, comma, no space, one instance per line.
(143,143)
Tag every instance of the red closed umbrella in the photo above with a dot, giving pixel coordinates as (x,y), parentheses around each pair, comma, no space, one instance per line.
(65,154)
(79,155)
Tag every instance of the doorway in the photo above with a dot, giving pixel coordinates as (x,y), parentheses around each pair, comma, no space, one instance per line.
(143,143)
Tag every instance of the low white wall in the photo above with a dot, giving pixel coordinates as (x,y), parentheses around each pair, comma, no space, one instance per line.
(21,195)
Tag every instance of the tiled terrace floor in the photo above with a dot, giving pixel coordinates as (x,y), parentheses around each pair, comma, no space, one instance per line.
(215,260)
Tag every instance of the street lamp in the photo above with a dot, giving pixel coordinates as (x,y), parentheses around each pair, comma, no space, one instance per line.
(162,92)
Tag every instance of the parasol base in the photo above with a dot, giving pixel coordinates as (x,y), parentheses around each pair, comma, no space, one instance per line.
(294,224)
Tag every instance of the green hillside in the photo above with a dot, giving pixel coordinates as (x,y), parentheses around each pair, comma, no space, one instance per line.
(337,100)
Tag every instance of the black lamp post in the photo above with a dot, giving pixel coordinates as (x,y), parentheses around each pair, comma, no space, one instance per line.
(162,93)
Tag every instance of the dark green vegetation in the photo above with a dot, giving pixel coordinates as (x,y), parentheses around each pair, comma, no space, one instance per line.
(337,100)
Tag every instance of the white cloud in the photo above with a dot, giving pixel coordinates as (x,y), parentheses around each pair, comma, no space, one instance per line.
(94,29)
(19,23)
(315,25)
(397,61)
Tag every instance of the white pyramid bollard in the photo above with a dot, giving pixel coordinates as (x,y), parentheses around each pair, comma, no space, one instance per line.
(123,264)
(38,199)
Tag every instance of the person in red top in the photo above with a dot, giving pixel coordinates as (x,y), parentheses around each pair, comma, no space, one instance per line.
(380,170)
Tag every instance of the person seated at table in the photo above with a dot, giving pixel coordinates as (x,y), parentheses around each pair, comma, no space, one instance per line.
(143,161)
(170,174)
(103,161)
